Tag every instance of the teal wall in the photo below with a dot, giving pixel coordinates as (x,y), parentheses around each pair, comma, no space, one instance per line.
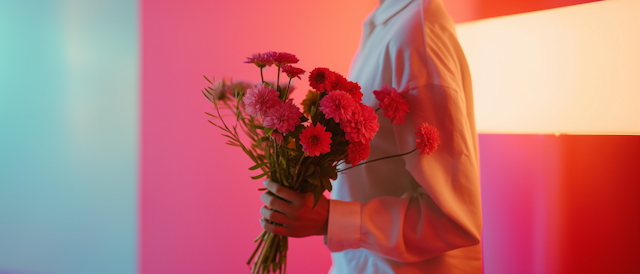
(69,136)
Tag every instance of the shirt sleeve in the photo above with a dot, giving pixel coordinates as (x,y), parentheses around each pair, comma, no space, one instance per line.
(444,212)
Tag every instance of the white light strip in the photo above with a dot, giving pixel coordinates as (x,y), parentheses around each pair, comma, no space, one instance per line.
(569,70)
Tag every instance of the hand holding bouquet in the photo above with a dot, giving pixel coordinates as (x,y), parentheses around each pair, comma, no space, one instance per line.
(301,150)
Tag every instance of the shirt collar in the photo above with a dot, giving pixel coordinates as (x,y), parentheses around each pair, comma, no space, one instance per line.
(388,9)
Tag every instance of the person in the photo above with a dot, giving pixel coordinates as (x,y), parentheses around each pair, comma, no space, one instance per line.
(410,214)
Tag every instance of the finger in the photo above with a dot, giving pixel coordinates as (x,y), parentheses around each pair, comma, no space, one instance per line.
(274,216)
(275,229)
(284,192)
(276,203)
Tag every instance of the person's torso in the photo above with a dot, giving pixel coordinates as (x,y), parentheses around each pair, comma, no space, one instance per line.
(393,52)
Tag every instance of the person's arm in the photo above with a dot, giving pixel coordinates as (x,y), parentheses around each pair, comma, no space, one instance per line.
(444,213)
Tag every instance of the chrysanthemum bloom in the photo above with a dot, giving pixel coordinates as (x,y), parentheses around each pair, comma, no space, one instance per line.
(382,94)
(338,83)
(358,151)
(310,100)
(315,140)
(337,105)
(277,137)
(261,60)
(284,117)
(260,99)
(395,107)
(362,124)
(354,90)
(321,79)
(292,71)
(428,139)
(282,58)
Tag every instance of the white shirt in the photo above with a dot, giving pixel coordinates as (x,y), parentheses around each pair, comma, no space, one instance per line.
(412,214)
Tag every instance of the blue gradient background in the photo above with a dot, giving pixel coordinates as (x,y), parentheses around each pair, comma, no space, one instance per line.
(69,81)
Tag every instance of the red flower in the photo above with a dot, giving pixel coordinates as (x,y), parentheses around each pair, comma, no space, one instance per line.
(337,105)
(358,151)
(382,94)
(395,107)
(361,125)
(315,140)
(282,58)
(261,60)
(321,79)
(338,83)
(428,139)
(354,90)
(292,71)
(284,117)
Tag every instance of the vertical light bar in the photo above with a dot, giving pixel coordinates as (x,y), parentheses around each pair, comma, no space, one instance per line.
(568,70)
(68,136)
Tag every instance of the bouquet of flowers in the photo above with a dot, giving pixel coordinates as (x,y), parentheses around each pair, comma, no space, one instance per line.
(303,149)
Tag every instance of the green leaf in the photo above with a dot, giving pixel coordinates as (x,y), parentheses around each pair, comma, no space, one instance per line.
(232,144)
(326,183)
(205,95)
(224,129)
(310,170)
(260,176)
(303,119)
(297,131)
(230,137)
(257,126)
(317,193)
(313,179)
(205,77)
(291,150)
(212,115)
(258,166)
(268,131)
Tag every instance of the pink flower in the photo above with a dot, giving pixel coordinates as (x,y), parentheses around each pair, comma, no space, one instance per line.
(428,139)
(315,140)
(358,151)
(337,105)
(362,124)
(259,99)
(282,58)
(354,90)
(261,60)
(277,137)
(284,117)
(292,71)
(321,79)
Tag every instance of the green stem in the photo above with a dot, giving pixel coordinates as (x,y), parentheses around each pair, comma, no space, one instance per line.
(261,76)
(377,109)
(288,86)
(388,157)
(278,82)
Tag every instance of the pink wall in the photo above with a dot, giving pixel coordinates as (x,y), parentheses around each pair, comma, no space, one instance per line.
(199,208)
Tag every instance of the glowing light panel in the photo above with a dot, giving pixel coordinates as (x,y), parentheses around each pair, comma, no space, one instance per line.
(568,70)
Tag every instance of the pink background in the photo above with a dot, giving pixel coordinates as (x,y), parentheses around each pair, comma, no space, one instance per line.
(199,208)
(549,203)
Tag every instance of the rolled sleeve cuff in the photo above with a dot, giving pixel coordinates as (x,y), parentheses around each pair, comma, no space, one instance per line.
(344,225)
